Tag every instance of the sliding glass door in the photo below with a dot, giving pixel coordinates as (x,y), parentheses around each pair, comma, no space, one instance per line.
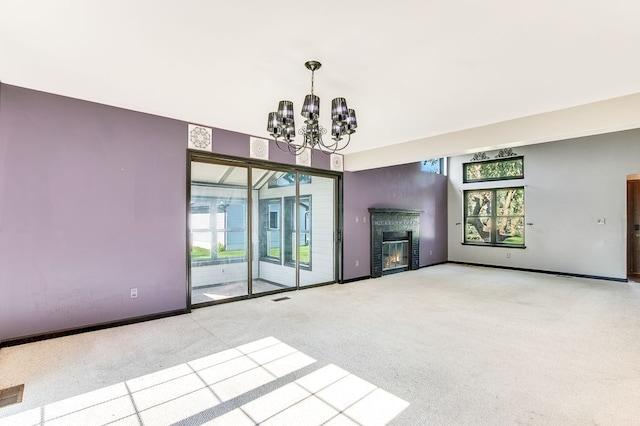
(317,230)
(273,267)
(283,224)
(219,232)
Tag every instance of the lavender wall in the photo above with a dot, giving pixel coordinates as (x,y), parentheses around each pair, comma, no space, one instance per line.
(237,144)
(403,186)
(92,204)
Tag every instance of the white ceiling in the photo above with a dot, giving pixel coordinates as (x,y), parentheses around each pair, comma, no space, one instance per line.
(412,70)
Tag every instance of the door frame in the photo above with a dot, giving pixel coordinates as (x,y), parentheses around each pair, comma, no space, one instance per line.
(632,180)
(214,158)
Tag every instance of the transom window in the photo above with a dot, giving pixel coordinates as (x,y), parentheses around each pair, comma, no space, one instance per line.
(497,169)
(434,165)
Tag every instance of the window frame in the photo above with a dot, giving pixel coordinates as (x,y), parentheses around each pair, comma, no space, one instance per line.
(440,162)
(465,166)
(213,202)
(266,225)
(287,218)
(494,217)
(290,215)
(282,181)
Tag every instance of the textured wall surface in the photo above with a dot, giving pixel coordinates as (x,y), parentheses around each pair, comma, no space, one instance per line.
(403,187)
(92,204)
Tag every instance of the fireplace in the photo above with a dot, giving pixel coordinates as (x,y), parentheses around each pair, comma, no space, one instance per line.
(395,240)
(395,255)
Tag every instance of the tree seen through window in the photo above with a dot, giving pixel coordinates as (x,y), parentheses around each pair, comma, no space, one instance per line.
(494,216)
(498,169)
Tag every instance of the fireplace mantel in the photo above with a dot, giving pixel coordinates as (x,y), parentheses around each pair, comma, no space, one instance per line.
(395,211)
(394,221)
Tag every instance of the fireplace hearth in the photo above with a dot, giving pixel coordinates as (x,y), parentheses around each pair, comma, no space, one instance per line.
(395,240)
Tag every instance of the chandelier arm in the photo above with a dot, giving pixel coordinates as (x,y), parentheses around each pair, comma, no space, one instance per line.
(325,150)
(293,148)
(333,148)
(346,144)
(331,145)
(280,147)
(297,149)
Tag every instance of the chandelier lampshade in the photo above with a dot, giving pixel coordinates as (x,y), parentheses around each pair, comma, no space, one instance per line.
(272,124)
(285,111)
(352,123)
(339,109)
(281,123)
(311,107)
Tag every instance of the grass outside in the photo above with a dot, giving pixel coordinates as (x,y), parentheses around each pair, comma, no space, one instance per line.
(305,257)
(304,254)
(513,240)
(203,253)
(230,253)
(199,252)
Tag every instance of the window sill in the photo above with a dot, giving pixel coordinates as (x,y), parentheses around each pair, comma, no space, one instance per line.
(303,266)
(494,245)
(273,260)
(209,262)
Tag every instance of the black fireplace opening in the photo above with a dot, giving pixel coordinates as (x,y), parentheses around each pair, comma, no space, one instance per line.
(396,251)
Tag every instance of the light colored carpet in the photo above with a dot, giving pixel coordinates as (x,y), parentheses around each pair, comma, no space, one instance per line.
(233,289)
(459,344)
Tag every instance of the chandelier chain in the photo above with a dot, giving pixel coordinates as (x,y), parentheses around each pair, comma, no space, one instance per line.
(312,78)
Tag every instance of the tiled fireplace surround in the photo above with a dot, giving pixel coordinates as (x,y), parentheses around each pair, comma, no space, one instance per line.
(396,221)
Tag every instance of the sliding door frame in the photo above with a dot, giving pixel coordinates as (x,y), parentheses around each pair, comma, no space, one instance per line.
(250,164)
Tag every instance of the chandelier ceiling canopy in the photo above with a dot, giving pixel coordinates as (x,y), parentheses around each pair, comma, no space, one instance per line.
(281,123)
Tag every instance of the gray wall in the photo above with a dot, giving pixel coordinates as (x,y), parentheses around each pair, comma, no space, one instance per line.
(93,203)
(403,186)
(568,186)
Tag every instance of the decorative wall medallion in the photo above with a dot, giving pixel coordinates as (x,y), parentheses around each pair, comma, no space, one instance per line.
(259,148)
(337,162)
(506,152)
(304,158)
(479,156)
(200,137)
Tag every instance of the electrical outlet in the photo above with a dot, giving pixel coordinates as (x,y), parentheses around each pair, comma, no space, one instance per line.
(430,252)
(508,255)
(357,263)
(134,293)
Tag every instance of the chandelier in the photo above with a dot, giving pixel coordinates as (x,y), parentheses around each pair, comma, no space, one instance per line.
(281,124)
